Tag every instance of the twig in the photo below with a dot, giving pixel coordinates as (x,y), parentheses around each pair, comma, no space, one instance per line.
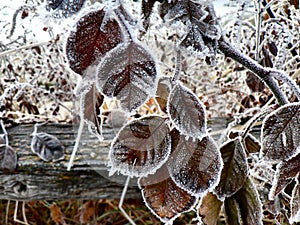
(263,73)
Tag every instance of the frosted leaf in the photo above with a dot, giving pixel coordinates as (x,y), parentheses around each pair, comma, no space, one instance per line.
(203,30)
(147,8)
(129,73)
(209,209)
(8,158)
(285,172)
(88,43)
(164,88)
(295,203)
(235,169)
(194,41)
(141,146)
(47,147)
(91,103)
(244,207)
(65,7)
(195,166)
(281,133)
(163,197)
(186,112)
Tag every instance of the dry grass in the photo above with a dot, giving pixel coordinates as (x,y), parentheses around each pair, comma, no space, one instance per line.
(94,212)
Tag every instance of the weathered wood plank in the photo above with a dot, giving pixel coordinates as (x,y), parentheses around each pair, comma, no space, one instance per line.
(35,179)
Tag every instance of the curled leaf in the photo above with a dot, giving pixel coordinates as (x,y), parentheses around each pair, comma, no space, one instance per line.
(93,36)
(235,169)
(141,146)
(281,133)
(163,197)
(128,72)
(8,158)
(91,110)
(47,147)
(195,166)
(164,88)
(186,112)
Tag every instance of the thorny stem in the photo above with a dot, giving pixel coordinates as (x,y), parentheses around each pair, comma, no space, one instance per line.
(263,73)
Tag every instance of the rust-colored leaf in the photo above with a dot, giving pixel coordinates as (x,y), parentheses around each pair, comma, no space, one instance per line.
(141,146)
(235,169)
(93,36)
(128,73)
(163,197)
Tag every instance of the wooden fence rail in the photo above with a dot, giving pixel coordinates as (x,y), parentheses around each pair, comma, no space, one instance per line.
(35,179)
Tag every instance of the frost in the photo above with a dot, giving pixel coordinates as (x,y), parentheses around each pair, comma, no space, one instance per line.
(163,197)
(141,146)
(129,73)
(195,166)
(280,133)
(235,169)
(186,112)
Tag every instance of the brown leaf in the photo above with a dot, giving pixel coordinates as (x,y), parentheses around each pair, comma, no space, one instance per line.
(162,93)
(235,169)
(91,107)
(244,207)
(285,172)
(163,197)
(281,133)
(210,209)
(91,39)
(141,146)
(295,203)
(195,166)
(56,214)
(8,158)
(128,72)
(186,112)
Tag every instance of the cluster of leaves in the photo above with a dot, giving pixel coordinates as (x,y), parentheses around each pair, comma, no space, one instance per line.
(178,164)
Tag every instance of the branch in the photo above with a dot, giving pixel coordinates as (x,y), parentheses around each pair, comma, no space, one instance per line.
(263,73)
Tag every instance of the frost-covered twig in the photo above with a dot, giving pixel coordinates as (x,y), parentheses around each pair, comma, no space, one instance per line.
(264,74)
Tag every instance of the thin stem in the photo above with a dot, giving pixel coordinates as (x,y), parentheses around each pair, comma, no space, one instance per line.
(23,47)
(4,132)
(122,200)
(177,64)
(263,73)
(258,28)
(80,130)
